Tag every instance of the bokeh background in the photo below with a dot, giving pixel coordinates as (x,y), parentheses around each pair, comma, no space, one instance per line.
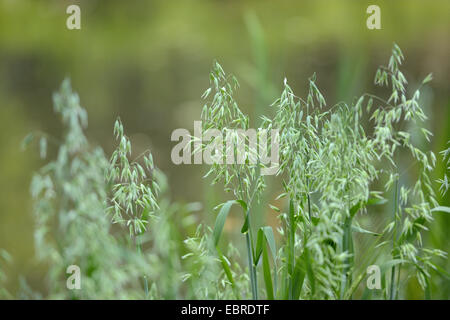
(148,62)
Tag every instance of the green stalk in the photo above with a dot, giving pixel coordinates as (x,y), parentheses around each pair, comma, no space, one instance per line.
(346,247)
(394,243)
(291,250)
(249,242)
(251,265)
(308,196)
(309,207)
(139,250)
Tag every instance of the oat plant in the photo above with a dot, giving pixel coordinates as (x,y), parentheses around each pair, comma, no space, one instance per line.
(337,165)
(70,195)
(242,177)
(333,160)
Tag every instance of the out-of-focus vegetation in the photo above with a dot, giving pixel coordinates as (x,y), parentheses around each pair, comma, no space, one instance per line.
(146,62)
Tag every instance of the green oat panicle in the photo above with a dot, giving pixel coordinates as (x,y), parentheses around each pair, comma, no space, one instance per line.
(329,162)
(325,155)
(413,207)
(243,178)
(222,113)
(70,195)
(133,201)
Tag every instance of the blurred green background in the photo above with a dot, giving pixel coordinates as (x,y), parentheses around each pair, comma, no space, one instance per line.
(148,62)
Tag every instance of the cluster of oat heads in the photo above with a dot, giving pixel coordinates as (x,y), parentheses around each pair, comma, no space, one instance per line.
(329,163)
(326,162)
(329,155)
(241,176)
(413,204)
(222,114)
(134,189)
(61,183)
(78,195)
(70,194)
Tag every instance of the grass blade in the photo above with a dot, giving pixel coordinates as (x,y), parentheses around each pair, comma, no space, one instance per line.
(220,220)
(267,274)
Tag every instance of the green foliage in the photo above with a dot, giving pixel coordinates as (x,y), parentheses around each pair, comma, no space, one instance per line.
(70,195)
(330,159)
(243,178)
(80,196)
(162,244)
(412,211)
(210,275)
(333,161)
